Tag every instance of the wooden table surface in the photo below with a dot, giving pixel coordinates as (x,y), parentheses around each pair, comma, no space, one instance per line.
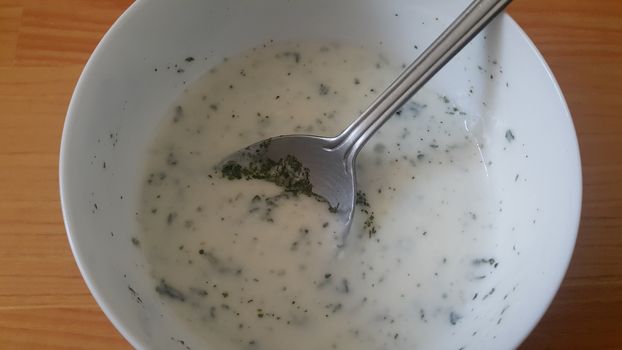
(44,44)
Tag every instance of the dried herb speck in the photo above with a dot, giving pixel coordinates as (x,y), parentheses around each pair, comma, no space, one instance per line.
(169,291)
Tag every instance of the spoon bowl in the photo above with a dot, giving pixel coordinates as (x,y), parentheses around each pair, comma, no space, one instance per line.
(332,177)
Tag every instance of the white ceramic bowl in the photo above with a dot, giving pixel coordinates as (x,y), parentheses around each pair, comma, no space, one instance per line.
(119,100)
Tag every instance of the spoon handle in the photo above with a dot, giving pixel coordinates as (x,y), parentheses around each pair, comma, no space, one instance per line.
(464,28)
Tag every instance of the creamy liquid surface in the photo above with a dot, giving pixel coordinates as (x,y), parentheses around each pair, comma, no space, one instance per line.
(249,268)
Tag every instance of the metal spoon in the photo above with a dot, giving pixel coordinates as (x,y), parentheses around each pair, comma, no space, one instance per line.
(331,160)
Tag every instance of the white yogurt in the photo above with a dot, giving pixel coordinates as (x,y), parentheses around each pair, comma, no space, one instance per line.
(249,271)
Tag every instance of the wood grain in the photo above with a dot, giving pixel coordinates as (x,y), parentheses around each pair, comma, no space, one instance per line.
(44,304)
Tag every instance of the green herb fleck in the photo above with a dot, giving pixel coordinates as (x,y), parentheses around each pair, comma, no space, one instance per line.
(232,171)
(288,173)
(295,55)
(324,89)
(167,290)
(370,221)
(454,318)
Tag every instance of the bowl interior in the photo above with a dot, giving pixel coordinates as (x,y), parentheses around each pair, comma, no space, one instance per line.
(500,76)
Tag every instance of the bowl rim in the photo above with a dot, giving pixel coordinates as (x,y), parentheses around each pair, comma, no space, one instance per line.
(576,152)
(123,327)
(120,325)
